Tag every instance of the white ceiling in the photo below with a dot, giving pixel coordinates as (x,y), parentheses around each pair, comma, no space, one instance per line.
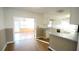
(44,9)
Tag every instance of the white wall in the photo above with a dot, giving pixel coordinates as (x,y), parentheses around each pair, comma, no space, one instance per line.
(1,19)
(2,31)
(57,19)
(46,18)
(55,16)
(10,13)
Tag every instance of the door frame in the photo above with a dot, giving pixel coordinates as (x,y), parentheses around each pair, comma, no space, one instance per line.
(25,17)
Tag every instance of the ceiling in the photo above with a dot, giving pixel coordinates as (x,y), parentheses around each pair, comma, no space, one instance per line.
(43,10)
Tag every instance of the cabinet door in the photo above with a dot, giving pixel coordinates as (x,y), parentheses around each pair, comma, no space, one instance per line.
(74,18)
(78,44)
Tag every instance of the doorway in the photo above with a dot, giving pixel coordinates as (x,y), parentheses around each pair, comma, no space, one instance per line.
(25,36)
(24,28)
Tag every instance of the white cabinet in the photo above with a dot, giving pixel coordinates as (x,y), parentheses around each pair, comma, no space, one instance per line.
(62,44)
(78,44)
(74,18)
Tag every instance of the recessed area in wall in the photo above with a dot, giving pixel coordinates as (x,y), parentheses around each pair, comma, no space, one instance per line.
(63,23)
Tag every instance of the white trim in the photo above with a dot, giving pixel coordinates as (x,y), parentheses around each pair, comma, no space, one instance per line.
(43,41)
(10,42)
(51,48)
(3,49)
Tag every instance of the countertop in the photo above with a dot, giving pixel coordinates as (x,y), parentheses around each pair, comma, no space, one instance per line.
(71,36)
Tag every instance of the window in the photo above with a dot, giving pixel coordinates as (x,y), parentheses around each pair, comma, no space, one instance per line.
(50,24)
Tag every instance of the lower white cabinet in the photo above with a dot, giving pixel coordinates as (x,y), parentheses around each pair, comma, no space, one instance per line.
(62,44)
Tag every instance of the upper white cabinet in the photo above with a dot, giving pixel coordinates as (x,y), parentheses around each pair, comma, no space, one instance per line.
(74,18)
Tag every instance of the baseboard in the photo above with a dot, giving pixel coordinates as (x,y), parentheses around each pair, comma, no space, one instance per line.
(10,42)
(51,48)
(43,41)
(4,47)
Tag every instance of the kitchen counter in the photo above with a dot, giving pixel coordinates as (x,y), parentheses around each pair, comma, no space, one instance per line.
(69,36)
(63,41)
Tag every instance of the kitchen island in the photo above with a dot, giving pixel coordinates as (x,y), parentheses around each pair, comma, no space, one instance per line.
(63,41)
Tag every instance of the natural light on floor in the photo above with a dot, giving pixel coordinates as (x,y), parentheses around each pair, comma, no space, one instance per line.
(23,28)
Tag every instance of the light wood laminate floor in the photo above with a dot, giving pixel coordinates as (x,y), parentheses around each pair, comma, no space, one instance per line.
(26,42)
